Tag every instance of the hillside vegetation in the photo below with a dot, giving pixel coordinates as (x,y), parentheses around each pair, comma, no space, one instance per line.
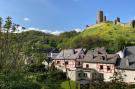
(113,37)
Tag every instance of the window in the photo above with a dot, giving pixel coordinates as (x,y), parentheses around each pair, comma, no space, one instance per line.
(58,62)
(125,75)
(108,68)
(103,57)
(101,67)
(80,57)
(87,65)
(79,63)
(79,74)
(85,74)
(66,63)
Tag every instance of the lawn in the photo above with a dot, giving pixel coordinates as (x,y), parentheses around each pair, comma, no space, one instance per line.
(65,85)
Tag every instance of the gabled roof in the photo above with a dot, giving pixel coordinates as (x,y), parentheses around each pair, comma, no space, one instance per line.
(100,55)
(69,54)
(128,62)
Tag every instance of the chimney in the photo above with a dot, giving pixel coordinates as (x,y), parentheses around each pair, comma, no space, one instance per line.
(127,62)
(74,51)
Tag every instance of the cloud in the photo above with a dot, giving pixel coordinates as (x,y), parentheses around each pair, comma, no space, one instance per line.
(20,29)
(56,32)
(37,29)
(26,19)
(78,30)
(45,31)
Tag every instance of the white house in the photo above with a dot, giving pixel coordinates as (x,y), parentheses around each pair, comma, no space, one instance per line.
(102,62)
(126,65)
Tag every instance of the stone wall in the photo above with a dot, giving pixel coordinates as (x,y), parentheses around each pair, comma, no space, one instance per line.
(133,23)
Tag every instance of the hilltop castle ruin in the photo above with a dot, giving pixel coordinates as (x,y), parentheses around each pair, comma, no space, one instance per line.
(100,18)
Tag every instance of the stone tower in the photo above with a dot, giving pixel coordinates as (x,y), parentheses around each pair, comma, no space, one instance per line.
(104,19)
(100,17)
(118,19)
(133,23)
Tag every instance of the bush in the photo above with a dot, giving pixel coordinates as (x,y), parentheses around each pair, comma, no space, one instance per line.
(52,77)
(57,75)
(17,81)
(109,85)
(41,78)
(25,85)
(36,68)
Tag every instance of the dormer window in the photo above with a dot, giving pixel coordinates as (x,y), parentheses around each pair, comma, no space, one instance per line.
(99,52)
(94,57)
(80,57)
(103,57)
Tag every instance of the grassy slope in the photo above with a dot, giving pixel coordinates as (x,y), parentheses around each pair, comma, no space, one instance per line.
(65,85)
(111,35)
(110,31)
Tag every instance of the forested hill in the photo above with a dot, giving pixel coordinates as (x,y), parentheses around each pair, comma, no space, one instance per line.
(113,37)
(37,40)
(46,40)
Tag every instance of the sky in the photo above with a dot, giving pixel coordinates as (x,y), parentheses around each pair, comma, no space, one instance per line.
(57,16)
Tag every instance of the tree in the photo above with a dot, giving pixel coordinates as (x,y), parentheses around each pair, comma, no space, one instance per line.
(10,46)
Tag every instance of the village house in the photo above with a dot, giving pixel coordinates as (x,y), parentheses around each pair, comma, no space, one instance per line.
(126,65)
(50,55)
(85,76)
(101,61)
(69,59)
(97,64)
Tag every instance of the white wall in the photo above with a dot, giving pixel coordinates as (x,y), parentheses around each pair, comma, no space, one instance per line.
(121,54)
(72,74)
(128,75)
(106,74)
(91,65)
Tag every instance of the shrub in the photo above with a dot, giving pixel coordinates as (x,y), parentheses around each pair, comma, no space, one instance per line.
(37,68)
(25,85)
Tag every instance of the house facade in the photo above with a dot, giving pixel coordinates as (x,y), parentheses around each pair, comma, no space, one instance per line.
(84,76)
(50,55)
(126,65)
(69,59)
(97,64)
(102,62)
